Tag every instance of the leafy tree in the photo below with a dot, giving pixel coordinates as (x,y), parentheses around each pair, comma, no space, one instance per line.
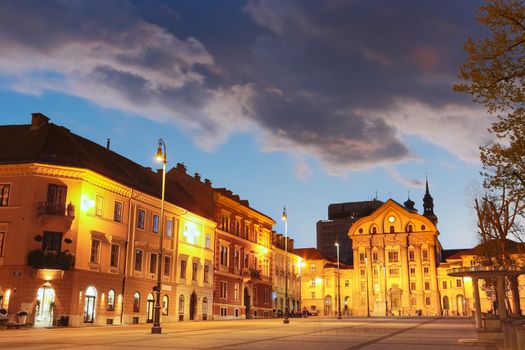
(494,74)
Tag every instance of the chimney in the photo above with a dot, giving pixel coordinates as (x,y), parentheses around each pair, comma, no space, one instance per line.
(207,182)
(181,167)
(197,177)
(108,144)
(37,120)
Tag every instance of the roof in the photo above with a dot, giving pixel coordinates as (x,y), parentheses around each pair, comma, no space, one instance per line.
(57,145)
(352,209)
(454,253)
(310,254)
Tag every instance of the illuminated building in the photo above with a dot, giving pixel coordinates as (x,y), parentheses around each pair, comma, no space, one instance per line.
(295,266)
(79,233)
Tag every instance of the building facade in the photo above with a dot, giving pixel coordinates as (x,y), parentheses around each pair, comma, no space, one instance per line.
(286,279)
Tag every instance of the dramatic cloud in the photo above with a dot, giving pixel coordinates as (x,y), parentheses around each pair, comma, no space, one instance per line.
(343,82)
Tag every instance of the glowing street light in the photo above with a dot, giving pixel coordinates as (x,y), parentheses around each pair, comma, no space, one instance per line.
(161,157)
(285,219)
(338,283)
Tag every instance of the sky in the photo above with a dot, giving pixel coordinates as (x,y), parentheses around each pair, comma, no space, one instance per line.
(296,103)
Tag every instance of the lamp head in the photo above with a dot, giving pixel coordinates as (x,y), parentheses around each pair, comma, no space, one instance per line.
(337,244)
(159,157)
(285,216)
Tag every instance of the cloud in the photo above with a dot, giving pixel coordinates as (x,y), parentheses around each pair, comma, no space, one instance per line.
(342,82)
(402,179)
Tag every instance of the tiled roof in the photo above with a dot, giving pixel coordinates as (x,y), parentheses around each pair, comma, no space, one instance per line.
(454,253)
(310,254)
(56,145)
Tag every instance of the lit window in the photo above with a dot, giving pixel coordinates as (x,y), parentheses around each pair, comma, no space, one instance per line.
(114,258)
(169,227)
(165,305)
(95,251)
(4,194)
(136,302)
(207,243)
(181,304)
(167,265)
(99,205)
(111,300)
(138,260)
(153,263)
(155,223)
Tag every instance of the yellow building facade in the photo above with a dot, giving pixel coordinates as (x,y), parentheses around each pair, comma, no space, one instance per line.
(281,275)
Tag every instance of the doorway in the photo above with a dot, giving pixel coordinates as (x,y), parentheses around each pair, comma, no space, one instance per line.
(89,305)
(247,302)
(193,305)
(45,301)
(150,306)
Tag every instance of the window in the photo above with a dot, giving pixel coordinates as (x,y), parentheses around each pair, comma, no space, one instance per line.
(363,273)
(236,291)
(141,220)
(153,263)
(426,270)
(413,302)
(427,301)
(427,285)
(374,230)
(411,255)
(412,285)
(312,283)
(375,256)
(393,256)
(181,304)
(361,257)
(327,282)
(52,241)
(312,267)
(206,273)
(347,283)
(458,283)
(138,260)
(2,240)
(410,228)
(99,205)
(445,284)
(224,311)
(136,302)
(254,294)
(393,272)
(117,211)
(183,269)
(169,228)
(165,305)
(111,300)
(224,255)
(312,295)
(223,289)
(412,271)
(246,260)
(95,251)
(363,287)
(207,242)
(194,270)
(236,260)
(392,229)
(155,227)
(114,258)
(4,194)
(425,254)
(167,265)
(56,199)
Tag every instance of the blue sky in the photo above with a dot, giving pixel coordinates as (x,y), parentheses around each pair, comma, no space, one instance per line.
(290,103)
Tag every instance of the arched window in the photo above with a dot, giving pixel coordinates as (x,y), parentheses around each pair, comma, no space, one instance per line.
(150,306)
(392,229)
(423,227)
(374,230)
(410,228)
(136,302)
(204,308)
(413,302)
(111,300)
(165,304)
(181,305)
(427,301)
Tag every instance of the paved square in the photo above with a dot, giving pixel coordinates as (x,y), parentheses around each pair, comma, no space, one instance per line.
(303,334)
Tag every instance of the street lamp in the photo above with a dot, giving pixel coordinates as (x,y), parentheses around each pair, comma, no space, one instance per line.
(285,219)
(161,157)
(338,283)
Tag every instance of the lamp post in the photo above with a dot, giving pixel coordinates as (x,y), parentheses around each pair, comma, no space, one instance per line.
(161,157)
(367,289)
(383,265)
(338,283)
(285,219)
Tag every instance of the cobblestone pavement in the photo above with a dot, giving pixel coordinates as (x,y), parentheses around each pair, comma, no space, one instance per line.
(303,334)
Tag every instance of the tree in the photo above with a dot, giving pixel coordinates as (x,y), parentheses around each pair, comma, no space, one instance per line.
(494,74)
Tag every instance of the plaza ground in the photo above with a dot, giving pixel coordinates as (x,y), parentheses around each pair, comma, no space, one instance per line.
(304,334)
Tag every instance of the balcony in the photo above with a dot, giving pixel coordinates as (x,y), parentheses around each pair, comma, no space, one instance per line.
(39,259)
(59,215)
(249,274)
